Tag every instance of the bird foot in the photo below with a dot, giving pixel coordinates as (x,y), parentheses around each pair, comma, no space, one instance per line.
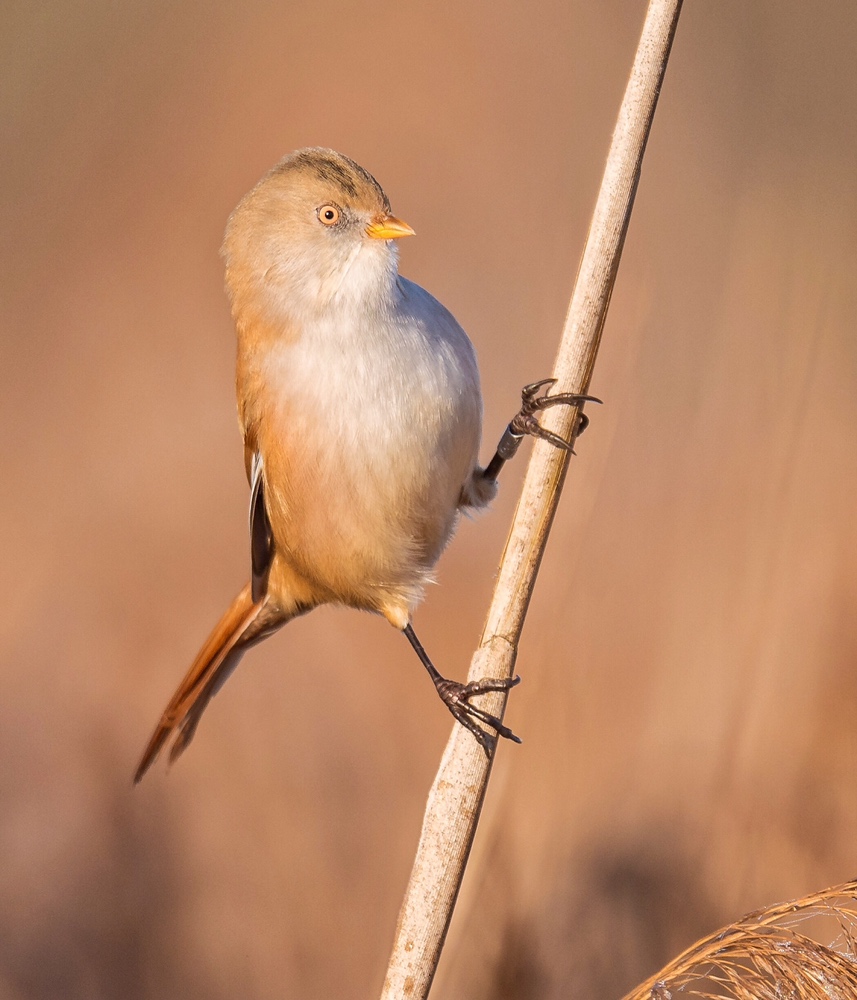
(525,421)
(456,696)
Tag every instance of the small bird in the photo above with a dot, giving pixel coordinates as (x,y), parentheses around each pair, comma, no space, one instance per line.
(360,407)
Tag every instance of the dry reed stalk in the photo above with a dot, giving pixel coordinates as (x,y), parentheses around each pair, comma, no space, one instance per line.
(770,955)
(456,797)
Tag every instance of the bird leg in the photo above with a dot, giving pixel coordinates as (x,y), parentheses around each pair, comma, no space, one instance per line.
(456,697)
(525,422)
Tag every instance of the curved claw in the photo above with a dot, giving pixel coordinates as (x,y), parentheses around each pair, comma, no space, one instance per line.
(572,398)
(532,390)
(546,435)
(531,399)
(482,736)
(526,423)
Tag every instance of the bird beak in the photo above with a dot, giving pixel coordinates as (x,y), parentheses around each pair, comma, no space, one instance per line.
(388,227)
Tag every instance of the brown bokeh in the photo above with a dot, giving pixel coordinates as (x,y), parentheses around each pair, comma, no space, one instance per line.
(689,705)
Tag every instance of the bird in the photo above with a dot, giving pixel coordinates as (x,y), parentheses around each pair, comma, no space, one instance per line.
(360,408)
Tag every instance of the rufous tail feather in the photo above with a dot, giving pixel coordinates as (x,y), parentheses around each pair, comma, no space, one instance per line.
(243,625)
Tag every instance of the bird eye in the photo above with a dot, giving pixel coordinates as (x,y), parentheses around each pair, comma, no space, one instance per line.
(329,215)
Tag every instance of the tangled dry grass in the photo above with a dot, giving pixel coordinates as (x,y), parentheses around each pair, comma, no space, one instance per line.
(801,950)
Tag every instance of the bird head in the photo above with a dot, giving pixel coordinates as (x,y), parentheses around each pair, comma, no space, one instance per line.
(315,234)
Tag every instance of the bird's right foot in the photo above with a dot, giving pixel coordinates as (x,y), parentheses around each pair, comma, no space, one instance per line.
(456,696)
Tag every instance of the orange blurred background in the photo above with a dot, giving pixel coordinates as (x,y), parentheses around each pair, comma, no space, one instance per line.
(689,704)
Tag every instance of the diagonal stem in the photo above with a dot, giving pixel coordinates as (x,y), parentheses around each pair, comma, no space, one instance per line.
(456,797)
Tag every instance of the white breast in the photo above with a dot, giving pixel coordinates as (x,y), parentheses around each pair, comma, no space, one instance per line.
(379,423)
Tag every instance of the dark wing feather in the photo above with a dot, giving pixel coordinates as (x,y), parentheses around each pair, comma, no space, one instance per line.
(261,539)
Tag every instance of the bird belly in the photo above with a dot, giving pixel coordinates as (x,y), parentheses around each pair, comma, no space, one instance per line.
(363,481)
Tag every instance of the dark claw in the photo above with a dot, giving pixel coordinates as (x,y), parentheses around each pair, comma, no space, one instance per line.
(456,697)
(529,425)
(525,422)
(532,390)
(483,738)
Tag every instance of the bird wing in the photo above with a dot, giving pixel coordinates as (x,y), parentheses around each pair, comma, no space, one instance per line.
(261,539)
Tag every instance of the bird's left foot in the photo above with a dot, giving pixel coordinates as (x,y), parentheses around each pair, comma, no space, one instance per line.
(525,421)
(456,696)
(533,401)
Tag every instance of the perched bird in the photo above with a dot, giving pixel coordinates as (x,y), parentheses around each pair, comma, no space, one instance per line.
(360,407)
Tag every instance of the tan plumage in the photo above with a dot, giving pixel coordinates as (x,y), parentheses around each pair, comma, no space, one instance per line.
(359,402)
(243,624)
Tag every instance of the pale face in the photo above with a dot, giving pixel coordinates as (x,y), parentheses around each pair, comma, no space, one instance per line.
(305,234)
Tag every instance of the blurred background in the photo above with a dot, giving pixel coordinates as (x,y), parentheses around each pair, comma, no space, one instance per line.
(689,705)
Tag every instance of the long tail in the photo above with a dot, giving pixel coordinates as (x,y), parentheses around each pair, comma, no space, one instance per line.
(243,625)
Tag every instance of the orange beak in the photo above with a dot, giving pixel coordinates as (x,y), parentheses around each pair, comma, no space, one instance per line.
(388,227)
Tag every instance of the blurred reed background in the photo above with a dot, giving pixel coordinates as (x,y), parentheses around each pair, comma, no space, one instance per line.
(689,705)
